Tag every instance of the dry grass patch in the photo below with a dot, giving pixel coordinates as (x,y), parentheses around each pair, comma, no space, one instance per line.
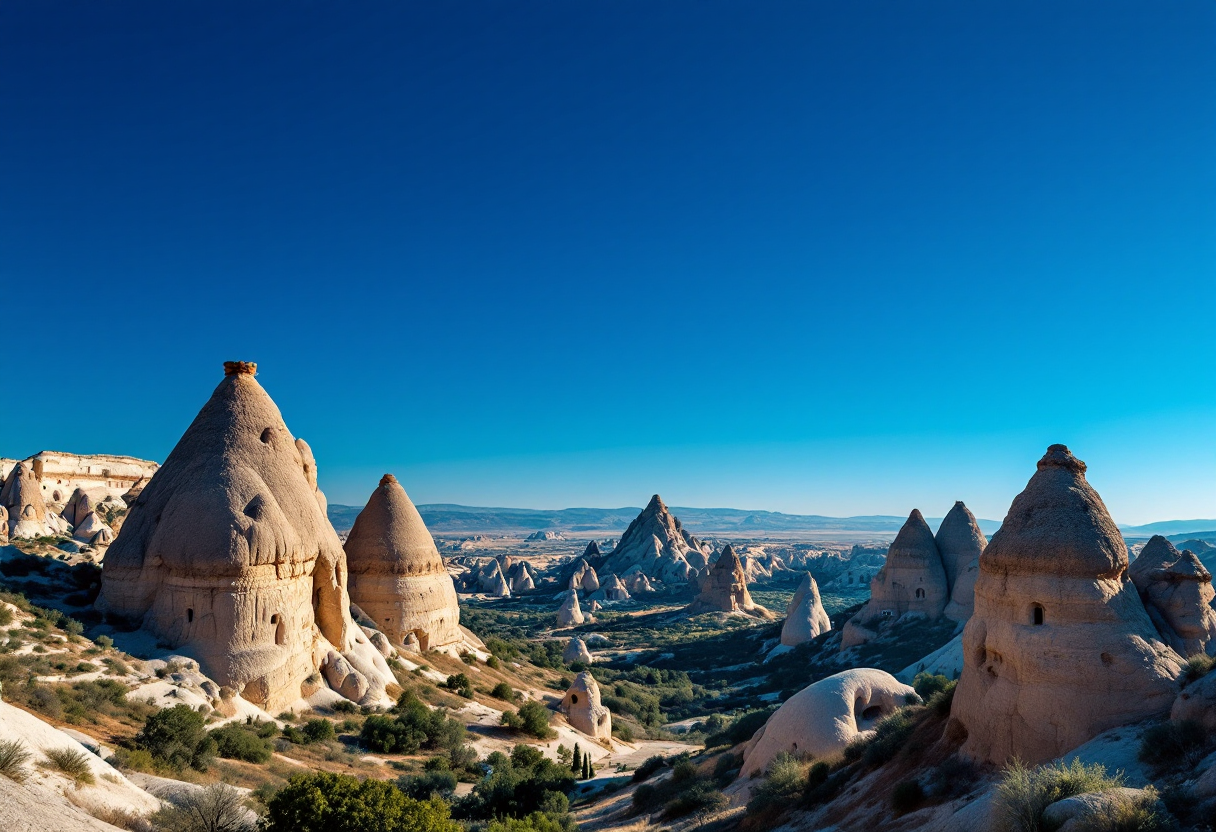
(13,757)
(74,764)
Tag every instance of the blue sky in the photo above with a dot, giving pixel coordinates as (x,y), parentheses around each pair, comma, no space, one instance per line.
(827,257)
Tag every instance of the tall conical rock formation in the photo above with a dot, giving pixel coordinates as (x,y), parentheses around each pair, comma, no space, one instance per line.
(656,542)
(1177,592)
(805,617)
(1060,647)
(913,580)
(227,556)
(584,710)
(396,574)
(724,588)
(960,542)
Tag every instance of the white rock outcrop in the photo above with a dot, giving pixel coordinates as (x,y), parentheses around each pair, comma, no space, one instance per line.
(805,617)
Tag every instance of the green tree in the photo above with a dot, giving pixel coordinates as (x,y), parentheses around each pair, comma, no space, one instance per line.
(576,765)
(177,737)
(324,802)
(587,770)
(532,718)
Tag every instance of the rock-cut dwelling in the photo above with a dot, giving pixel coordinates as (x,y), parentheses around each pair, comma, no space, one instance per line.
(396,574)
(724,588)
(583,708)
(227,557)
(1060,647)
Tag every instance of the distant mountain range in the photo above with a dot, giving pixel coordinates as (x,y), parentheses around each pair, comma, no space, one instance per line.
(1169,528)
(446,518)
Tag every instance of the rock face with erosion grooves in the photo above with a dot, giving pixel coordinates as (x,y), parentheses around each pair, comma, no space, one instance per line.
(912,581)
(396,574)
(583,710)
(724,588)
(576,651)
(611,590)
(1060,647)
(657,543)
(805,618)
(227,556)
(570,614)
(1177,592)
(820,720)
(960,542)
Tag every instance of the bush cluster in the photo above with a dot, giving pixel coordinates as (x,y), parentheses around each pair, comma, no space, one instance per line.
(684,792)
(177,738)
(324,802)
(532,718)
(413,727)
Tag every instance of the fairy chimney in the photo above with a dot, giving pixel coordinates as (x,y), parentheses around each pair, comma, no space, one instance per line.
(396,574)
(1059,648)
(960,542)
(570,614)
(724,588)
(576,651)
(227,557)
(805,617)
(27,512)
(1177,592)
(583,708)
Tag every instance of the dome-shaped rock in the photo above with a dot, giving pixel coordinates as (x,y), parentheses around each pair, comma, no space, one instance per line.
(583,708)
(960,542)
(396,574)
(576,651)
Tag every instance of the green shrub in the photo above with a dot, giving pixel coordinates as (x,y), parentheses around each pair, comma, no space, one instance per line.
(1197,667)
(324,802)
(73,763)
(104,642)
(648,768)
(236,742)
(890,736)
(345,706)
(906,796)
(13,757)
(683,793)
(1143,813)
(504,692)
(177,737)
(6,615)
(214,808)
(1024,792)
(415,726)
(429,784)
(525,782)
(317,730)
(1174,743)
(784,780)
(460,684)
(737,730)
(927,684)
(532,718)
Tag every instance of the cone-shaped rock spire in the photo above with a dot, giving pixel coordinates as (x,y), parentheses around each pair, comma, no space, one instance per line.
(724,588)
(396,574)
(227,556)
(657,543)
(960,542)
(1060,647)
(805,618)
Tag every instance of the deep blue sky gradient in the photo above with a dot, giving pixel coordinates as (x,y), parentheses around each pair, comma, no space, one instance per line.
(829,257)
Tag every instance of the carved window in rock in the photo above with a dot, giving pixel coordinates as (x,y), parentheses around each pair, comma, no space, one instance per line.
(1036,615)
(190,615)
(920,592)
(574,699)
(280,629)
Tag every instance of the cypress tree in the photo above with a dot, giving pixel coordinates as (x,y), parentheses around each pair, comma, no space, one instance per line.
(587,770)
(576,765)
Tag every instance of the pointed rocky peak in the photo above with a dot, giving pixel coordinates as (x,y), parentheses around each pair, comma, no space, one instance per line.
(656,505)
(1058,525)
(914,541)
(390,537)
(729,560)
(592,550)
(1189,568)
(1158,553)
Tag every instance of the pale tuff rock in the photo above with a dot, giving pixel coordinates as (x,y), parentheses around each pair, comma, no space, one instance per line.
(821,720)
(583,709)
(1177,592)
(583,577)
(805,617)
(396,574)
(102,475)
(227,556)
(545,536)
(81,513)
(724,588)
(636,582)
(657,543)
(960,542)
(310,473)
(3,526)
(594,606)
(520,577)
(611,590)
(570,614)
(490,580)
(912,580)
(754,568)
(27,512)
(576,651)
(1059,647)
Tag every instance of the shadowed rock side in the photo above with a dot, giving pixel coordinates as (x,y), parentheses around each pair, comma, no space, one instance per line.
(657,543)
(228,557)
(610,590)
(960,543)
(819,721)
(583,709)
(396,574)
(1060,647)
(912,581)
(805,618)
(724,588)
(1177,592)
